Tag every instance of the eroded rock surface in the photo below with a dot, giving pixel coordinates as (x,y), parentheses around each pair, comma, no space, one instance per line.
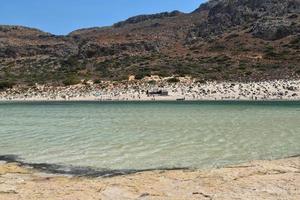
(279,179)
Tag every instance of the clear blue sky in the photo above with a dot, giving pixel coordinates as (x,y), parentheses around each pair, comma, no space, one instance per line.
(63,16)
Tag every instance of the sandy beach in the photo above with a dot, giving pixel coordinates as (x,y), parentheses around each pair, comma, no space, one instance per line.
(140,90)
(277,179)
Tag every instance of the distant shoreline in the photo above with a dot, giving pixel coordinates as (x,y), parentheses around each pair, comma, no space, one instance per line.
(159,89)
(151,101)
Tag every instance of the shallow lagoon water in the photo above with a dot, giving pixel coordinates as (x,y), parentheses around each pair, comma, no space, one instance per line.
(149,135)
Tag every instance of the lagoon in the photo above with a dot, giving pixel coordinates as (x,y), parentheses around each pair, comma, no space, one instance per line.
(149,135)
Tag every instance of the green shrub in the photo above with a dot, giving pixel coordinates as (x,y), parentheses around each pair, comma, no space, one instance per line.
(202,81)
(270,52)
(248,73)
(97,81)
(142,72)
(173,80)
(71,80)
(6,84)
(242,66)
(164,73)
(183,70)
(71,64)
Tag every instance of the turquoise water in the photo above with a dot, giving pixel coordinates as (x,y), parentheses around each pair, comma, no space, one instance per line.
(149,135)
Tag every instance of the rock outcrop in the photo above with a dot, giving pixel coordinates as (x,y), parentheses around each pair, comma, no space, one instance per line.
(279,179)
(142,18)
(268,18)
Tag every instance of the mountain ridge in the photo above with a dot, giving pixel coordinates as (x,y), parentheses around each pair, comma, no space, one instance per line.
(221,40)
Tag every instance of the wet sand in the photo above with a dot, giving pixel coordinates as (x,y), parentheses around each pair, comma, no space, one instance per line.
(278,179)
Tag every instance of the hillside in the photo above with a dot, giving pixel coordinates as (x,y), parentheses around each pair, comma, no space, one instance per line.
(221,40)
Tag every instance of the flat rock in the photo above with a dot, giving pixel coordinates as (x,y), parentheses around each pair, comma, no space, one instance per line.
(278,179)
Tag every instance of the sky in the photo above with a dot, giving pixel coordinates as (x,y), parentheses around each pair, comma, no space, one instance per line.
(63,16)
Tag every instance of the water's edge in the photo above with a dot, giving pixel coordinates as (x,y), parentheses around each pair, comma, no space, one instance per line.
(77,171)
(90,172)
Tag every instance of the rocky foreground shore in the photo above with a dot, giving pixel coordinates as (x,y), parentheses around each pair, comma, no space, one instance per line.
(183,88)
(278,179)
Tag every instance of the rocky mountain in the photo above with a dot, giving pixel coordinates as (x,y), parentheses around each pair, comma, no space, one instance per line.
(141,18)
(221,40)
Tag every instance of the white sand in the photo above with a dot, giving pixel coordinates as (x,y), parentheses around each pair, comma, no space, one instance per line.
(187,89)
